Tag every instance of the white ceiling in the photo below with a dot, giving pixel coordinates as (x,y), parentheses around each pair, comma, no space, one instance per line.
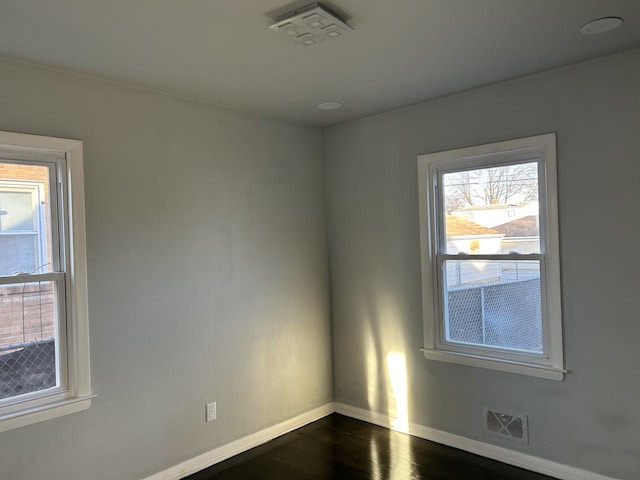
(221,52)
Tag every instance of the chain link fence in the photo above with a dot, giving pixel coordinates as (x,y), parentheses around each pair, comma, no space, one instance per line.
(27,338)
(29,368)
(505,315)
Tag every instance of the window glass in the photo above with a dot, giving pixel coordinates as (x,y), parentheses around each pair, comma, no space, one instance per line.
(25,219)
(493,303)
(17,210)
(492,210)
(28,338)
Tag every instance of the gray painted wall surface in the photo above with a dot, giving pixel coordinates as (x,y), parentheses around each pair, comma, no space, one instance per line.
(207,263)
(591,420)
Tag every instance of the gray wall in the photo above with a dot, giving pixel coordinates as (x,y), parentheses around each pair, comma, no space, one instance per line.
(591,420)
(207,263)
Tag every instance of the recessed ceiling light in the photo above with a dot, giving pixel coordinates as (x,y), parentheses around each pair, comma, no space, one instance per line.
(601,25)
(329,106)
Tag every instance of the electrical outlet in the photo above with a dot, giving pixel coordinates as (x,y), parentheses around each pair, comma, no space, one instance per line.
(210,412)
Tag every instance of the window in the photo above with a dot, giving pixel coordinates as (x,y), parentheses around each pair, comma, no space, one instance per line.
(490,263)
(44,364)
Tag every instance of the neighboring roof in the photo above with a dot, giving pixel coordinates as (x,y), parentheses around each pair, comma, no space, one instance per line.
(522,227)
(500,206)
(457,226)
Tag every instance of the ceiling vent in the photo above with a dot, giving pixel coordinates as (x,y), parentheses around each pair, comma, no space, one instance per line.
(311,24)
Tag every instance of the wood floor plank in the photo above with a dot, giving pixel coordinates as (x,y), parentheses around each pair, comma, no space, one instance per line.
(341,448)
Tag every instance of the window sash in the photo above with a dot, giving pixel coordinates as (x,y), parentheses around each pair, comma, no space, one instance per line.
(491,256)
(32,278)
(56,164)
(534,155)
(489,350)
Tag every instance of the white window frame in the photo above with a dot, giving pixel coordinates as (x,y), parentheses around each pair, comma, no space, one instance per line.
(542,148)
(74,391)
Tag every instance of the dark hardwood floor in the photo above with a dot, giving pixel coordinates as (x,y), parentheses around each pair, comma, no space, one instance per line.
(338,447)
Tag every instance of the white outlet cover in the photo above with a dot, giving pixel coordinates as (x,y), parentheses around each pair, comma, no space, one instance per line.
(210,412)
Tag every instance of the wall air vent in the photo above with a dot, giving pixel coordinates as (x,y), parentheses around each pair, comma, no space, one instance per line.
(311,24)
(510,425)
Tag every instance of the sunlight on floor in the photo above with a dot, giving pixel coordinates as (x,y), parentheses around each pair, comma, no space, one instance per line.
(402,467)
(376,466)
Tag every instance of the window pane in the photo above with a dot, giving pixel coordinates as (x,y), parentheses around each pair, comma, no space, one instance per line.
(17,211)
(25,219)
(493,303)
(27,338)
(18,253)
(492,210)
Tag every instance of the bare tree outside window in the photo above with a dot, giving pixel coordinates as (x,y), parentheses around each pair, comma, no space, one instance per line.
(492,302)
(490,272)
(500,185)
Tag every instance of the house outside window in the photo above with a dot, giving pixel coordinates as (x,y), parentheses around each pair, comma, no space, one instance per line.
(23,247)
(490,262)
(44,367)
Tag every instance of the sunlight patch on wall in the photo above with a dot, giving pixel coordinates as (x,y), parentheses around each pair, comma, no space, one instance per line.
(372,373)
(385,363)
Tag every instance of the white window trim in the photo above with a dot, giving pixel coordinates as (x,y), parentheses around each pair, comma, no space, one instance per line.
(551,366)
(78,395)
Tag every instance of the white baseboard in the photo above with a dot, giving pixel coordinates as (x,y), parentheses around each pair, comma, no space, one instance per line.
(219,454)
(504,455)
(494,452)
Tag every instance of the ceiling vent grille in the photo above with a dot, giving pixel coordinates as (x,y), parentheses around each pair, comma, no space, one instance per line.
(311,24)
(510,425)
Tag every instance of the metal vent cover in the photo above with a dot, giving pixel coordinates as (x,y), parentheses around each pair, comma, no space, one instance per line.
(511,425)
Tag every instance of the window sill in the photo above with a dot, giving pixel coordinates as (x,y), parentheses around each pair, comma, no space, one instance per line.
(533,370)
(44,412)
